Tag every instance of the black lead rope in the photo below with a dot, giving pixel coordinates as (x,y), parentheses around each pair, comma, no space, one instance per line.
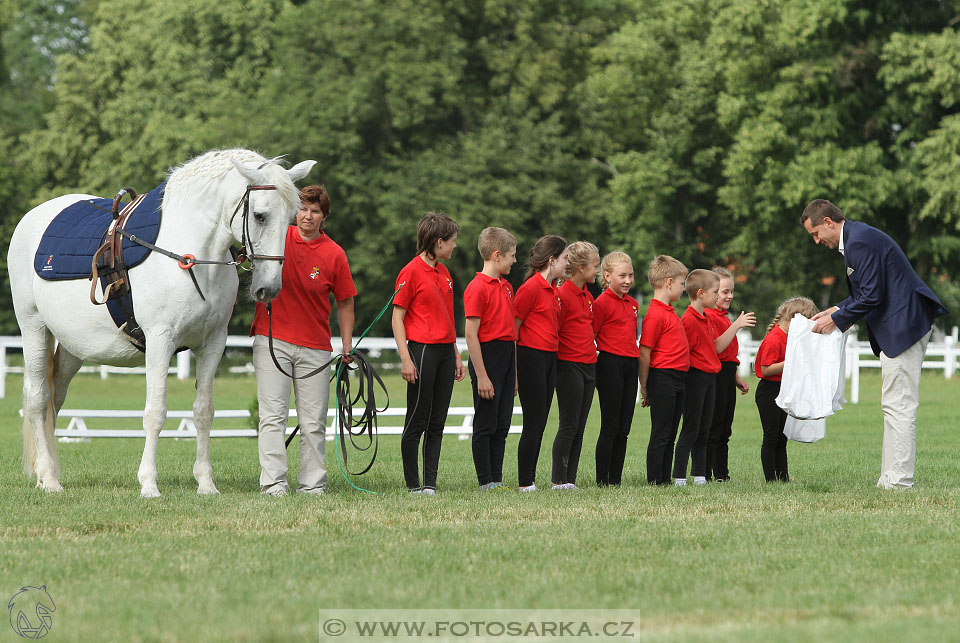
(364,424)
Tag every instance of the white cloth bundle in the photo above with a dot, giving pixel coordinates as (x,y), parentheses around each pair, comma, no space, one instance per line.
(813,380)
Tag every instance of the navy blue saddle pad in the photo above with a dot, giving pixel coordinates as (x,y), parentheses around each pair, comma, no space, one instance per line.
(67,247)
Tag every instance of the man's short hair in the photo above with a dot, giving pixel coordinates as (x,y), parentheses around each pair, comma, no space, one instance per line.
(818,209)
(700,280)
(664,267)
(493,239)
(317,194)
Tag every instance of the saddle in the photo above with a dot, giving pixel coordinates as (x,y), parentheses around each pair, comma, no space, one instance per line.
(109,269)
(84,241)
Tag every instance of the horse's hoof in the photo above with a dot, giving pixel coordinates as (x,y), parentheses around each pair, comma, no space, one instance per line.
(51,485)
(207,490)
(150,492)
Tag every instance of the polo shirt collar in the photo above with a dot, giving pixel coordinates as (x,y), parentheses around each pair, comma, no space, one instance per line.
(657,302)
(427,267)
(487,278)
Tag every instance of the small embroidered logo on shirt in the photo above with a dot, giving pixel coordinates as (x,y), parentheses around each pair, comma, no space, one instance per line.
(314,272)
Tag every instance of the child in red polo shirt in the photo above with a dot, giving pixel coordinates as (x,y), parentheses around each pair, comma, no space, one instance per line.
(768,366)
(615,317)
(576,362)
(728,381)
(491,334)
(538,320)
(701,385)
(426,340)
(664,361)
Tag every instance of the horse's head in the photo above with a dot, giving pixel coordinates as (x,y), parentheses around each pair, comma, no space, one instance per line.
(268,214)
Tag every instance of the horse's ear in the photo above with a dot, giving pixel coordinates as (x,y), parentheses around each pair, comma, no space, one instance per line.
(300,170)
(250,172)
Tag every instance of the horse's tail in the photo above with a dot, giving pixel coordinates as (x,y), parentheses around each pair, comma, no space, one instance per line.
(29,441)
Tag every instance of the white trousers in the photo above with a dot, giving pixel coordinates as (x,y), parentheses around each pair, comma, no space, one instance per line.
(899,399)
(273,394)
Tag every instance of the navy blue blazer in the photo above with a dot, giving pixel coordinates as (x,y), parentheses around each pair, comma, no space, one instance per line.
(885,291)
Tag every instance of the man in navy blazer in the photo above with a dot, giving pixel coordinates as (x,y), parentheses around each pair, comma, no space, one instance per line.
(898,309)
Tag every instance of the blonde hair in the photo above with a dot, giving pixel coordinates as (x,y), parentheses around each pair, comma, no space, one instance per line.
(611,261)
(580,253)
(700,279)
(664,267)
(723,273)
(493,239)
(791,307)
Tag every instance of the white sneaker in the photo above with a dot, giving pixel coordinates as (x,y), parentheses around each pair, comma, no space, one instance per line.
(276,492)
(680,482)
(532,487)
(699,480)
(427,491)
(570,486)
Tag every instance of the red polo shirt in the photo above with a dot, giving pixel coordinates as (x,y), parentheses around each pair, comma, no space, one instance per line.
(718,317)
(312,270)
(576,325)
(662,332)
(427,296)
(772,349)
(538,308)
(615,323)
(703,350)
(491,300)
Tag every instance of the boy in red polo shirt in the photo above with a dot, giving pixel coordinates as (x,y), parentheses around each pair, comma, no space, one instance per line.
(664,362)
(701,386)
(491,334)
(576,362)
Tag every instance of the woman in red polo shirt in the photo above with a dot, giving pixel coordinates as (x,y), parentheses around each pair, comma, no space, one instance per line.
(538,319)
(423,325)
(768,365)
(615,319)
(576,361)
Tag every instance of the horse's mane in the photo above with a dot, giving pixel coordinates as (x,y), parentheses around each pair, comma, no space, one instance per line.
(215,164)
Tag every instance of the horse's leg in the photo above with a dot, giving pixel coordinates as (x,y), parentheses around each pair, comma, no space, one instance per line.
(207,359)
(65,366)
(37,410)
(159,351)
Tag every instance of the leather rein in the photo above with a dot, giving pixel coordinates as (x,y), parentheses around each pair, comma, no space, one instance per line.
(188,261)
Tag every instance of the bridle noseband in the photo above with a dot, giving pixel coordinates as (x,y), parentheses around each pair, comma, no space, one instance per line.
(246,243)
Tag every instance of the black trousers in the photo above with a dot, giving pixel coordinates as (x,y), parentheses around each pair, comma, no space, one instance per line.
(617,389)
(491,418)
(428,400)
(697,416)
(773,451)
(575,385)
(666,390)
(722,426)
(537,379)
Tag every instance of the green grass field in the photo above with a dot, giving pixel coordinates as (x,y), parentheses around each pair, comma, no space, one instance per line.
(825,557)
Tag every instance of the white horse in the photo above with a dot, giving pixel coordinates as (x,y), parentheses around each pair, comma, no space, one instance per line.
(198,203)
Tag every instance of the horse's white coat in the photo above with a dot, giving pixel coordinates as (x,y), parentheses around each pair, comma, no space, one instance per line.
(198,202)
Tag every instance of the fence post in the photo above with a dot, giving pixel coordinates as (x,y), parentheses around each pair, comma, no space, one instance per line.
(183,365)
(950,355)
(3,370)
(854,352)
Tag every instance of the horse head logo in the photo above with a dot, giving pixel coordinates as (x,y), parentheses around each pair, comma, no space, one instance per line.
(31,612)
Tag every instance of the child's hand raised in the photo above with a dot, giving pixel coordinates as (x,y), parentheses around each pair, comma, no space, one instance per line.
(744,320)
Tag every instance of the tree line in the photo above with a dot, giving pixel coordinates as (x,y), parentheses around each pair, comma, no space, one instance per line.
(695,128)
